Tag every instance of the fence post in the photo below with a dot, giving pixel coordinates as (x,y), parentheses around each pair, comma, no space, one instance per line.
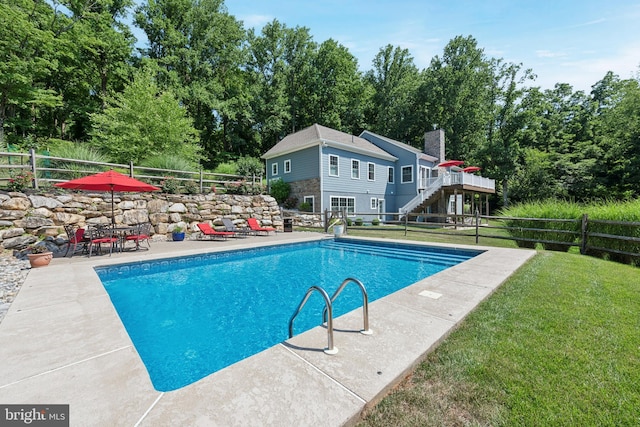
(131,169)
(583,234)
(201,182)
(344,220)
(477,225)
(326,221)
(406,223)
(32,161)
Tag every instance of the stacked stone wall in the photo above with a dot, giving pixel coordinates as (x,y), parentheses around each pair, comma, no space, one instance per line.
(27,218)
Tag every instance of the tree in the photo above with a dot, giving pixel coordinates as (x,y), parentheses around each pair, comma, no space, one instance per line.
(500,154)
(26,58)
(198,47)
(334,86)
(142,122)
(455,96)
(395,81)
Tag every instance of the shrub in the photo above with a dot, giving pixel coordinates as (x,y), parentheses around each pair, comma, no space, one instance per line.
(191,187)
(359,221)
(290,202)
(529,224)
(627,211)
(170,185)
(375,221)
(20,181)
(305,207)
(280,190)
(249,166)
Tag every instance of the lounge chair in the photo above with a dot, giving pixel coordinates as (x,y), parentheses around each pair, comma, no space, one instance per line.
(257,228)
(208,231)
(230,226)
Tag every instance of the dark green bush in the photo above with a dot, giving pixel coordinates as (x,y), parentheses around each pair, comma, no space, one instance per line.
(280,190)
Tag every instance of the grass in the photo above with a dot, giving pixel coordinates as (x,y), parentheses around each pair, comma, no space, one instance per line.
(558,344)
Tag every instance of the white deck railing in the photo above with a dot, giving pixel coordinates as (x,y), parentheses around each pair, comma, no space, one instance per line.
(428,186)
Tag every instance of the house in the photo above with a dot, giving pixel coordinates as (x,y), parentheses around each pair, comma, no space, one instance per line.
(370,174)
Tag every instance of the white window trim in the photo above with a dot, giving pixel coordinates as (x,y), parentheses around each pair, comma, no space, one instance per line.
(287,166)
(313,201)
(346,198)
(402,181)
(373,203)
(332,156)
(392,175)
(369,164)
(274,169)
(352,170)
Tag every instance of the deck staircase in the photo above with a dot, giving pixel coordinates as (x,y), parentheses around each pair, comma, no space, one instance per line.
(424,197)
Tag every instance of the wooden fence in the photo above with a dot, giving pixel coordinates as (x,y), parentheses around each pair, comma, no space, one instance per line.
(615,240)
(44,173)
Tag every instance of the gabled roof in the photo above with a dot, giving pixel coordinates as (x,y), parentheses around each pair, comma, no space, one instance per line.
(420,154)
(316,134)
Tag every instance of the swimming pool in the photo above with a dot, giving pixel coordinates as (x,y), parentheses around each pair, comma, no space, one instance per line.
(191,316)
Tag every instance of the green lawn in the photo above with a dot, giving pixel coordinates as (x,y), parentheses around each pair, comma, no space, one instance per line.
(557,345)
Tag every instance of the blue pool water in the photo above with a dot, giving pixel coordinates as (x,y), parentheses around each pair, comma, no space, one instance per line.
(191,316)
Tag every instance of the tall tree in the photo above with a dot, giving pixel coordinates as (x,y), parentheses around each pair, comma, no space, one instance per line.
(456,97)
(198,47)
(27,42)
(500,154)
(395,81)
(144,121)
(335,87)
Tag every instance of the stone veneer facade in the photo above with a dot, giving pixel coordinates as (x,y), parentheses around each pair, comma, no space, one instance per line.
(27,218)
(305,188)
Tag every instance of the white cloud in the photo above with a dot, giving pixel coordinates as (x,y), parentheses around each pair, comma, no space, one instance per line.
(255,21)
(549,54)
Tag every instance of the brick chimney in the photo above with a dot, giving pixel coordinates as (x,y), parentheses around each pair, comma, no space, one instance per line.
(434,144)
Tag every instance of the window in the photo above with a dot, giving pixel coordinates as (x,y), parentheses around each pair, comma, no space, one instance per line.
(407,174)
(372,171)
(374,203)
(287,166)
(392,172)
(333,165)
(274,169)
(355,169)
(309,200)
(347,203)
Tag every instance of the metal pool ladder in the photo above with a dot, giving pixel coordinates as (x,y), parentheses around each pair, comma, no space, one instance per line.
(327,312)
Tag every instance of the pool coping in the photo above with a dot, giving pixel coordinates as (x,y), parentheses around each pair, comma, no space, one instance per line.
(63,343)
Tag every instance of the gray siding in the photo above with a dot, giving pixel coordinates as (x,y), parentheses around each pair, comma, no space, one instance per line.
(304,165)
(404,192)
(362,189)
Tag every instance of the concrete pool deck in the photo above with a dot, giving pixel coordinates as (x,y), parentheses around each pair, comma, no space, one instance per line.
(62,342)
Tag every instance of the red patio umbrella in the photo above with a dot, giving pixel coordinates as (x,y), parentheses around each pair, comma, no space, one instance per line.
(450,163)
(471,169)
(107,181)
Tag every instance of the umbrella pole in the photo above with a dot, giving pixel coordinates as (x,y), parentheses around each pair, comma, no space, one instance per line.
(113,217)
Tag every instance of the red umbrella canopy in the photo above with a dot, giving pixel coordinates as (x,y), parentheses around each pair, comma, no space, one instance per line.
(471,169)
(450,163)
(107,181)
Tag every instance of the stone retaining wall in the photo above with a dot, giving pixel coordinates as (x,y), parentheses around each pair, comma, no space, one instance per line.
(27,218)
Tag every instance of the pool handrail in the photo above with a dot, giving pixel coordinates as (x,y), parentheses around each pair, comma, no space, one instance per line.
(327,301)
(365,303)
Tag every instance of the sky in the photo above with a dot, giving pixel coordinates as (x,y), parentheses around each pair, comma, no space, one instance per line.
(562,41)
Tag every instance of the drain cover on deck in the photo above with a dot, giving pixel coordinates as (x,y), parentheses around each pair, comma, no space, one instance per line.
(429,294)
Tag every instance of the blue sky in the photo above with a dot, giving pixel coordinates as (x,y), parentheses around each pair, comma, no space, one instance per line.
(567,41)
